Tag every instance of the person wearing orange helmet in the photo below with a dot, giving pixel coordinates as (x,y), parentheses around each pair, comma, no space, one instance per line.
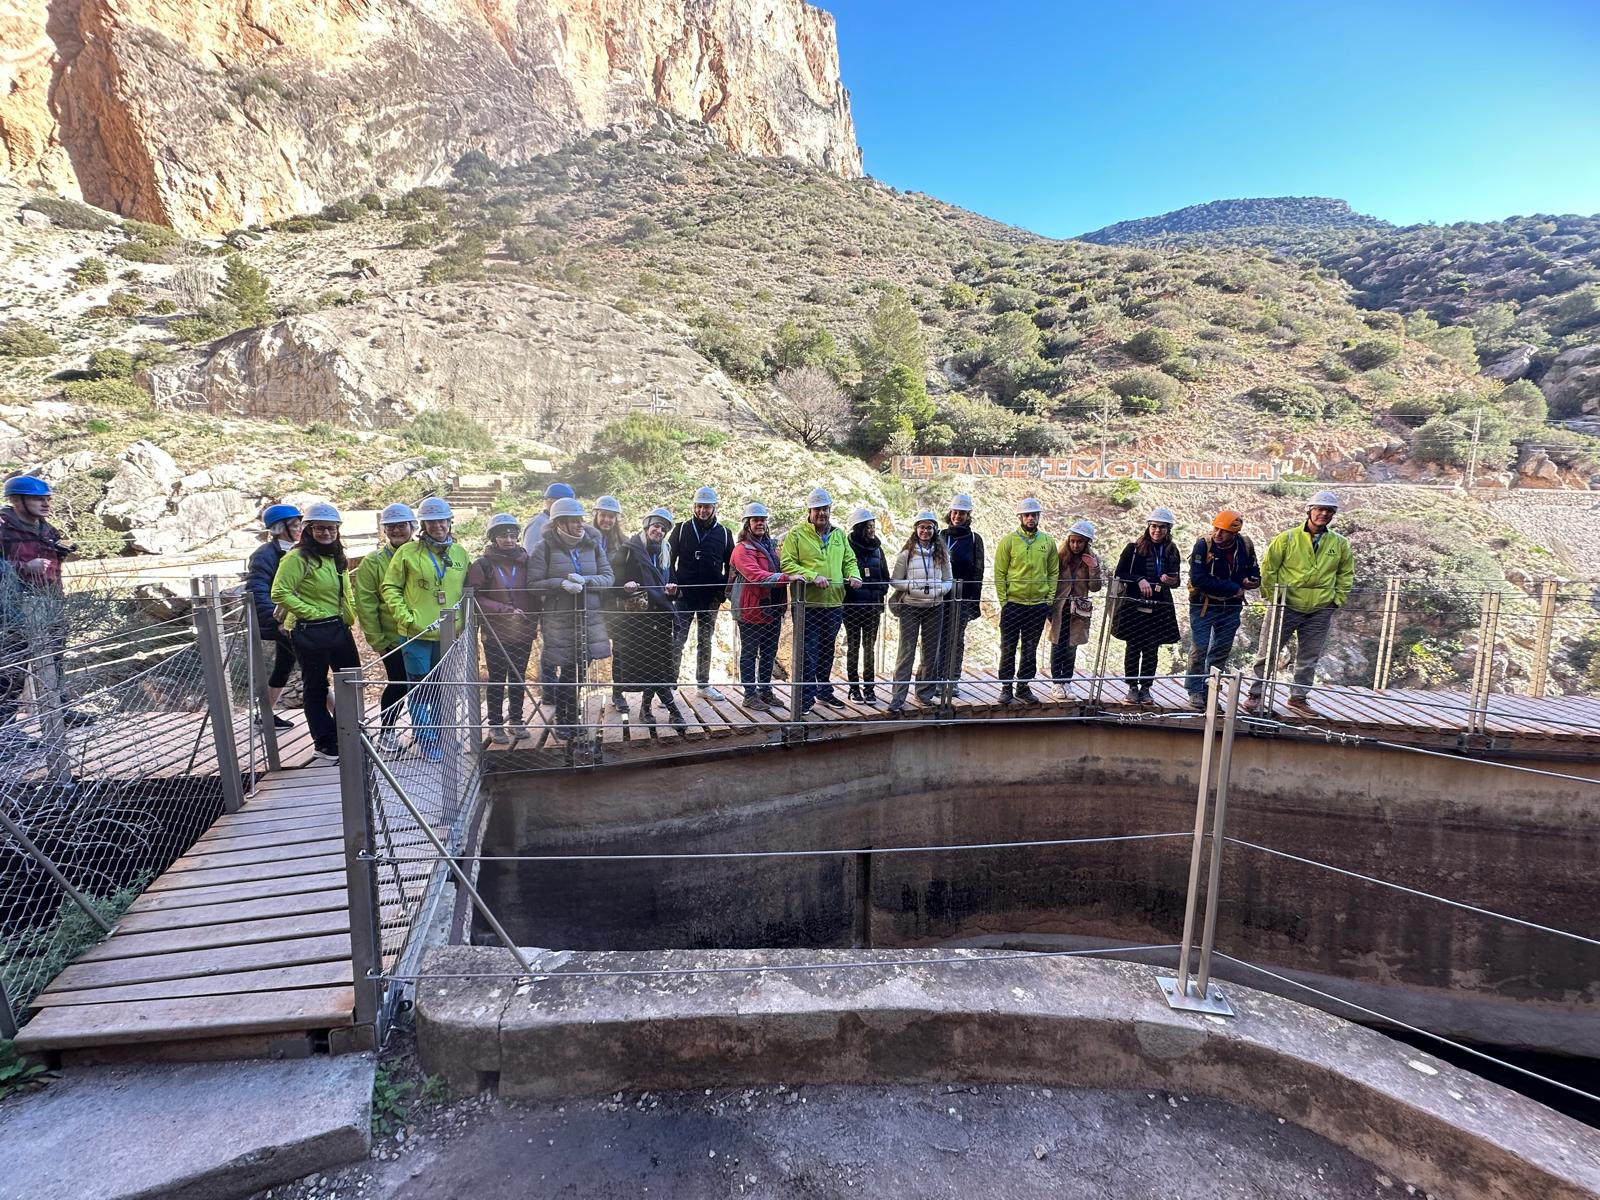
(1222,570)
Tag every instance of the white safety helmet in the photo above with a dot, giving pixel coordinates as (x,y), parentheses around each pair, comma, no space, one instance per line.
(504,520)
(706,495)
(664,515)
(1029,505)
(819,498)
(860,515)
(608,504)
(435,508)
(397,514)
(566,507)
(1323,500)
(324,512)
(755,509)
(961,503)
(925,515)
(1083,528)
(1161,516)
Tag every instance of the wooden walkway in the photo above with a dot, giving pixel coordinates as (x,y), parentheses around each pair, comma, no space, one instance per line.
(242,946)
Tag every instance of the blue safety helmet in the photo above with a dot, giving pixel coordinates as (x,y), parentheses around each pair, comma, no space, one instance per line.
(560,491)
(279,512)
(27,485)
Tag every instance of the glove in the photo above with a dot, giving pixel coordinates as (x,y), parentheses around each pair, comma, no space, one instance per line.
(575,577)
(568,585)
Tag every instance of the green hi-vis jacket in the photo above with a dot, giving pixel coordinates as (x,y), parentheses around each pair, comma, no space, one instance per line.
(311,589)
(1025,568)
(803,553)
(366,594)
(1308,578)
(413,580)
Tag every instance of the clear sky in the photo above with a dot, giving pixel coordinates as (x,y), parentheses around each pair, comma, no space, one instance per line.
(1068,115)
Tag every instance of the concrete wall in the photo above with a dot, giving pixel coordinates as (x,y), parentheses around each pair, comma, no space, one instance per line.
(1518,843)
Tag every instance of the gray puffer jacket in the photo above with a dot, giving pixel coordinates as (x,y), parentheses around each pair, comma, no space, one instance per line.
(548,565)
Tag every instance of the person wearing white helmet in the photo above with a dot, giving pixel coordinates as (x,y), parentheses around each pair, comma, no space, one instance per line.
(921,580)
(966,567)
(498,580)
(1311,569)
(863,607)
(818,552)
(758,604)
(646,621)
(1146,618)
(701,548)
(1071,611)
(282,523)
(1025,570)
(310,588)
(397,524)
(424,578)
(572,577)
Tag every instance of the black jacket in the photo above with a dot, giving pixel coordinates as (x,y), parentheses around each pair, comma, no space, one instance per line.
(1215,574)
(874,571)
(966,567)
(699,552)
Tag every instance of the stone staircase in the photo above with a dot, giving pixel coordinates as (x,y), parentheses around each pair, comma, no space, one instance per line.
(476,493)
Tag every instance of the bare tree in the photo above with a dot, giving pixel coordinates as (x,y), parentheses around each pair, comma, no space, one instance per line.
(809,407)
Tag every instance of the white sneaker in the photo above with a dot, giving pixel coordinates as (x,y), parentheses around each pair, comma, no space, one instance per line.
(1060,693)
(389,742)
(322,756)
(710,693)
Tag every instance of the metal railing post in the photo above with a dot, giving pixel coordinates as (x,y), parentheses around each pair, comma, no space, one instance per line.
(361,880)
(1219,824)
(1387,627)
(472,680)
(445,722)
(1542,638)
(797,657)
(1102,644)
(8,1015)
(265,717)
(1178,994)
(208,640)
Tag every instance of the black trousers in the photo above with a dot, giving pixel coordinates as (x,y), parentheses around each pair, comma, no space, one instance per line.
(703,624)
(1020,628)
(861,641)
(282,661)
(505,660)
(394,669)
(321,650)
(1139,664)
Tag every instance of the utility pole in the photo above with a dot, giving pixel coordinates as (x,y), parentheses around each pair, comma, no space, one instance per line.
(1105,423)
(1472,455)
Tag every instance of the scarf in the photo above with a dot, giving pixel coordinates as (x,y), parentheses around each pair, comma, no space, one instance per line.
(568,541)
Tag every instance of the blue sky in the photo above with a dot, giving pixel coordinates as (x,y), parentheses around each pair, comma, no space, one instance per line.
(1063,117)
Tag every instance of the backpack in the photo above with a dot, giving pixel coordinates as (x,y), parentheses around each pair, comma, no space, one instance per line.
(1244,544)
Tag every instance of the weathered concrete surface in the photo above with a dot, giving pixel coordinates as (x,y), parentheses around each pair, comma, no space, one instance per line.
(1006,1020)
(1508,841)
(201,1131)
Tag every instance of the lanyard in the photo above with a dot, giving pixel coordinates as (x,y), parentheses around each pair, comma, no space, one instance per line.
(439,568)
(927,560)
(577,563)
(506,585)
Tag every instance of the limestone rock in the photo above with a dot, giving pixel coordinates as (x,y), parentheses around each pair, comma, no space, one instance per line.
(32,219)
(139,491)
(193,521)
(1513,366)
(1536,470)
(58,469)
(1572,385)
(210,115)
(516,356)
(1345,471)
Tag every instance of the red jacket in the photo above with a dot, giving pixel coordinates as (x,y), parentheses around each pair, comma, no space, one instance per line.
(758,596)
(22,544)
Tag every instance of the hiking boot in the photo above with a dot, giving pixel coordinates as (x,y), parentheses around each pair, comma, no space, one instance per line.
(1197,701)
(1005,696)
(756,702)
(619,702)
(647,715)
(771,698)
(1133,695)
(1145,698)
(1301,705)
(675,715)
(1025,694)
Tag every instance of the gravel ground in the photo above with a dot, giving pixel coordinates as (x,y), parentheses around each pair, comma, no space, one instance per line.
(790,1143)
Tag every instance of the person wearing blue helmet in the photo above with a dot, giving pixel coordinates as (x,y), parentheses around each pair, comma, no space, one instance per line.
(535,527)
(282,523)
(34,550)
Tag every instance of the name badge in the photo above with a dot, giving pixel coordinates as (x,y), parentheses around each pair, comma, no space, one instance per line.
(439,597)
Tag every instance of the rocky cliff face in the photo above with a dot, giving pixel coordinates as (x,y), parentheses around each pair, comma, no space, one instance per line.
(212,114)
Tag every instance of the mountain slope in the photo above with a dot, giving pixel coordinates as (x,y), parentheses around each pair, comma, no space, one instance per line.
(1271,222)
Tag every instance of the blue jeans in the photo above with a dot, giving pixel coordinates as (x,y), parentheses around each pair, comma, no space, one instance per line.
(421,656)
(822,633)
(1213,631)
(758,650)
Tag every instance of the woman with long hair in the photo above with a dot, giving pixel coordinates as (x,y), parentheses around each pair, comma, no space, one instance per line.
(310,589)
(758,603)
(1072,610)
(1146,619)
(921,580)
(863,607)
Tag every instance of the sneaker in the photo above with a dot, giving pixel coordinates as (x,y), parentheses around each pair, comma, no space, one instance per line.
(519,731)
(771,697)
(806,707)
(895,709)
(324,756)
(619,702)
(1060,693)
(73,719)
(498,735)
(1005,696)
(1025,694)
(1145,697)
(928,698)
(280,722)
(756,702)
(389,742)
(831,700)
(1133,695)
(855,693)
(431,752)
(710,693)
(869,694)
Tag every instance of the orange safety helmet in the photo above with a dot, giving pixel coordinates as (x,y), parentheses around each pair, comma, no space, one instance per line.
(1228,519)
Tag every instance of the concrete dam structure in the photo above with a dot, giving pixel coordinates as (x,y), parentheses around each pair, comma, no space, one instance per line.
(1113,804)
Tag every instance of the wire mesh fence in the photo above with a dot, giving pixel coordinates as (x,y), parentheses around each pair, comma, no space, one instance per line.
(119,745)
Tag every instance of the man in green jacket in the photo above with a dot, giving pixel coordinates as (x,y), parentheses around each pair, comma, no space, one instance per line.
(1311,569)
(1025,571)
(822,555)
(424,578)
(397,524)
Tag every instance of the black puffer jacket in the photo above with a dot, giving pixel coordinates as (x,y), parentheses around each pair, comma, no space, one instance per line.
(874,568)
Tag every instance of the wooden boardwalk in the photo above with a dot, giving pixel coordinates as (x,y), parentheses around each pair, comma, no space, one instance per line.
(242,946)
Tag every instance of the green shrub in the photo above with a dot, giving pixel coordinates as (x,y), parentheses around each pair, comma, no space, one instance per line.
(976,424)
(20,339)
(449,429)
(958,295)
(1123,493)
(640,449)
(125,302)
(421,234)
(109,393)
(91,272)
(110,363)
(1288,400)
(1525,400)
(1415,410)
(640,228)
(344,210)
(152,354)
(1151,345)
(1146,391)
(726,344)
(70,214)
(1442,439)
(1371,353)
(1184,369)
(532,246)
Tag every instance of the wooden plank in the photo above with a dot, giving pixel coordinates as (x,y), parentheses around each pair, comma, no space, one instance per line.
(327,900)
(260,854)
(246,824)
(208,937)
(237,892)
(239,874)
(700,713)
(277,979)
(258,956)
(179,1020)
(223,839)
